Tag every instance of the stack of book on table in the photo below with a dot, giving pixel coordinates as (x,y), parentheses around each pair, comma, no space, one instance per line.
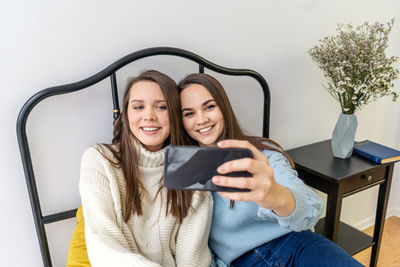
(375,152)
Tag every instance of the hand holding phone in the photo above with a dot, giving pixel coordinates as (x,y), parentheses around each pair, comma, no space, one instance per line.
(192,167)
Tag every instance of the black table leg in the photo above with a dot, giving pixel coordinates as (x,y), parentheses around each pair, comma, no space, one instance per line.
(383,197)
(333,209)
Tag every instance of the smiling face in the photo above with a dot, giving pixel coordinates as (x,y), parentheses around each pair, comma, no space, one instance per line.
(148,114)
(202,118)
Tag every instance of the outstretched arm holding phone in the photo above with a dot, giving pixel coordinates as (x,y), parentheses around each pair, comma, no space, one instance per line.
(270,224)
(264,190)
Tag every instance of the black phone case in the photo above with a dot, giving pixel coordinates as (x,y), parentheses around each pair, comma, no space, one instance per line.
(192,167)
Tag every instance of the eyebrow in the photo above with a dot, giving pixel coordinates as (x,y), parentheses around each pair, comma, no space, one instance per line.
(141,101)
(205,103)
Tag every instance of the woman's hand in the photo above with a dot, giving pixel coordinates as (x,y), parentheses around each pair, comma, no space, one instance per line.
(265,191)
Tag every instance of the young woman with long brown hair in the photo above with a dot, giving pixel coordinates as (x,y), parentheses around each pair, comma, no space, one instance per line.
(268,226)
(130,218)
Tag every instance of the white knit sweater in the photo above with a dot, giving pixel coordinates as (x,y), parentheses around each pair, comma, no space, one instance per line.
(152,239)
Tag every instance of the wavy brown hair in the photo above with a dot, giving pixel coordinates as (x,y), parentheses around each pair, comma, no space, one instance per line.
(178,201)
(231,129)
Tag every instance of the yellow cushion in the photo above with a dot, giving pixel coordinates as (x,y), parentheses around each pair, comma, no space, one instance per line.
(77,254)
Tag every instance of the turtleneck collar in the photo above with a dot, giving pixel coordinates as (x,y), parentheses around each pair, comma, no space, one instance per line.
(150,159)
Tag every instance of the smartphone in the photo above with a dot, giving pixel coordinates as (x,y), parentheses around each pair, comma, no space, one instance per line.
(192,167)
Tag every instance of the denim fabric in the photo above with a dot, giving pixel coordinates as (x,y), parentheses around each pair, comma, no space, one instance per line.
(298,249)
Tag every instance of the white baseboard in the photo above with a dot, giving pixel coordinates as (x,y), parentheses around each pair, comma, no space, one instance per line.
(368,222)
(393,212)
(364,224)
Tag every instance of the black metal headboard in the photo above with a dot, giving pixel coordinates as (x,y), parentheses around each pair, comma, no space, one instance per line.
(110,71)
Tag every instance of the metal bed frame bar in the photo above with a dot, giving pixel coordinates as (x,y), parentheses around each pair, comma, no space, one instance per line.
(110,71)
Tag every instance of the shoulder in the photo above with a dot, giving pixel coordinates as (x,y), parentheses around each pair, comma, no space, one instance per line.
(271,143)
(275,155)
(97,170)
(97,150)
(97,155)
(276,158)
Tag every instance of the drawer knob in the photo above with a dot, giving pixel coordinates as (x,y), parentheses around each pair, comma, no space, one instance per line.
(368,178)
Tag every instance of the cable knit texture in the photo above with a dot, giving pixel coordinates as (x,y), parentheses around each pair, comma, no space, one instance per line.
(247,226)
(152,239)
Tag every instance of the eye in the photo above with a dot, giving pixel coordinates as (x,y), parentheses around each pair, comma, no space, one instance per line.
(161,107)
(188,114)
(137,107)
(210,107)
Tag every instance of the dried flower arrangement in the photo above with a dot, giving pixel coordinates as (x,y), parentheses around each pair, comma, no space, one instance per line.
(355,64)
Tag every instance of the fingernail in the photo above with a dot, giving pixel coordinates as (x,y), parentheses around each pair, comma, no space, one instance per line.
(220,169)
(220,143)
(216,179)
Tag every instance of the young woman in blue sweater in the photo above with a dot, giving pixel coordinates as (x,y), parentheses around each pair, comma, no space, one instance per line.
(268,226)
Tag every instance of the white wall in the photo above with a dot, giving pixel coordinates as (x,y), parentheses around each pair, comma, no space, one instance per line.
(48,43)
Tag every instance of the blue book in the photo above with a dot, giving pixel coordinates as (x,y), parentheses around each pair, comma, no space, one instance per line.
(375,152)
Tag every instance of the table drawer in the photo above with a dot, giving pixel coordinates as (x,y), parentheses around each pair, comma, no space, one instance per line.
(363,179)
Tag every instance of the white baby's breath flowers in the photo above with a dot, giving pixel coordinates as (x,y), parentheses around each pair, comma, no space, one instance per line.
(355,64)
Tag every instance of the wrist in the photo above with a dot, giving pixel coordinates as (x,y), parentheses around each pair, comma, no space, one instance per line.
(283,201)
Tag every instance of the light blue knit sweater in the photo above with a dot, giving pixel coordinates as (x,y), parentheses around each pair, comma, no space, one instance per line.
(247,226)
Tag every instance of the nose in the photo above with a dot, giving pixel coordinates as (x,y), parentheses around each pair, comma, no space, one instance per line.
(202,118)
(150,115)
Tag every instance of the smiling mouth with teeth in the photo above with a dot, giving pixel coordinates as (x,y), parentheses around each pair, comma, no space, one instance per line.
(204,130)
(150,129)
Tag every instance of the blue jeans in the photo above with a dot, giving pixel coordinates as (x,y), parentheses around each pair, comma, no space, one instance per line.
(297,249)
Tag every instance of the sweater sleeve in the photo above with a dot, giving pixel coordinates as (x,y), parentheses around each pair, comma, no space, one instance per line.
(192,237)
(308,204)
(106,243)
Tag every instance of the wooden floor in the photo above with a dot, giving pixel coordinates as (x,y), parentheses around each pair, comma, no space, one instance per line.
(389,254)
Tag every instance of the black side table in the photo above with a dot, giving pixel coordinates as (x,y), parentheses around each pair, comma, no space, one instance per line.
(339,178)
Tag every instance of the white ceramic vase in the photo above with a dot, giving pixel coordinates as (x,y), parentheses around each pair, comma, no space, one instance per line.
(343,136)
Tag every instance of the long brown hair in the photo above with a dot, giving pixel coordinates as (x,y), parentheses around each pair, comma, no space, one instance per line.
(123,143)
(232,129)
